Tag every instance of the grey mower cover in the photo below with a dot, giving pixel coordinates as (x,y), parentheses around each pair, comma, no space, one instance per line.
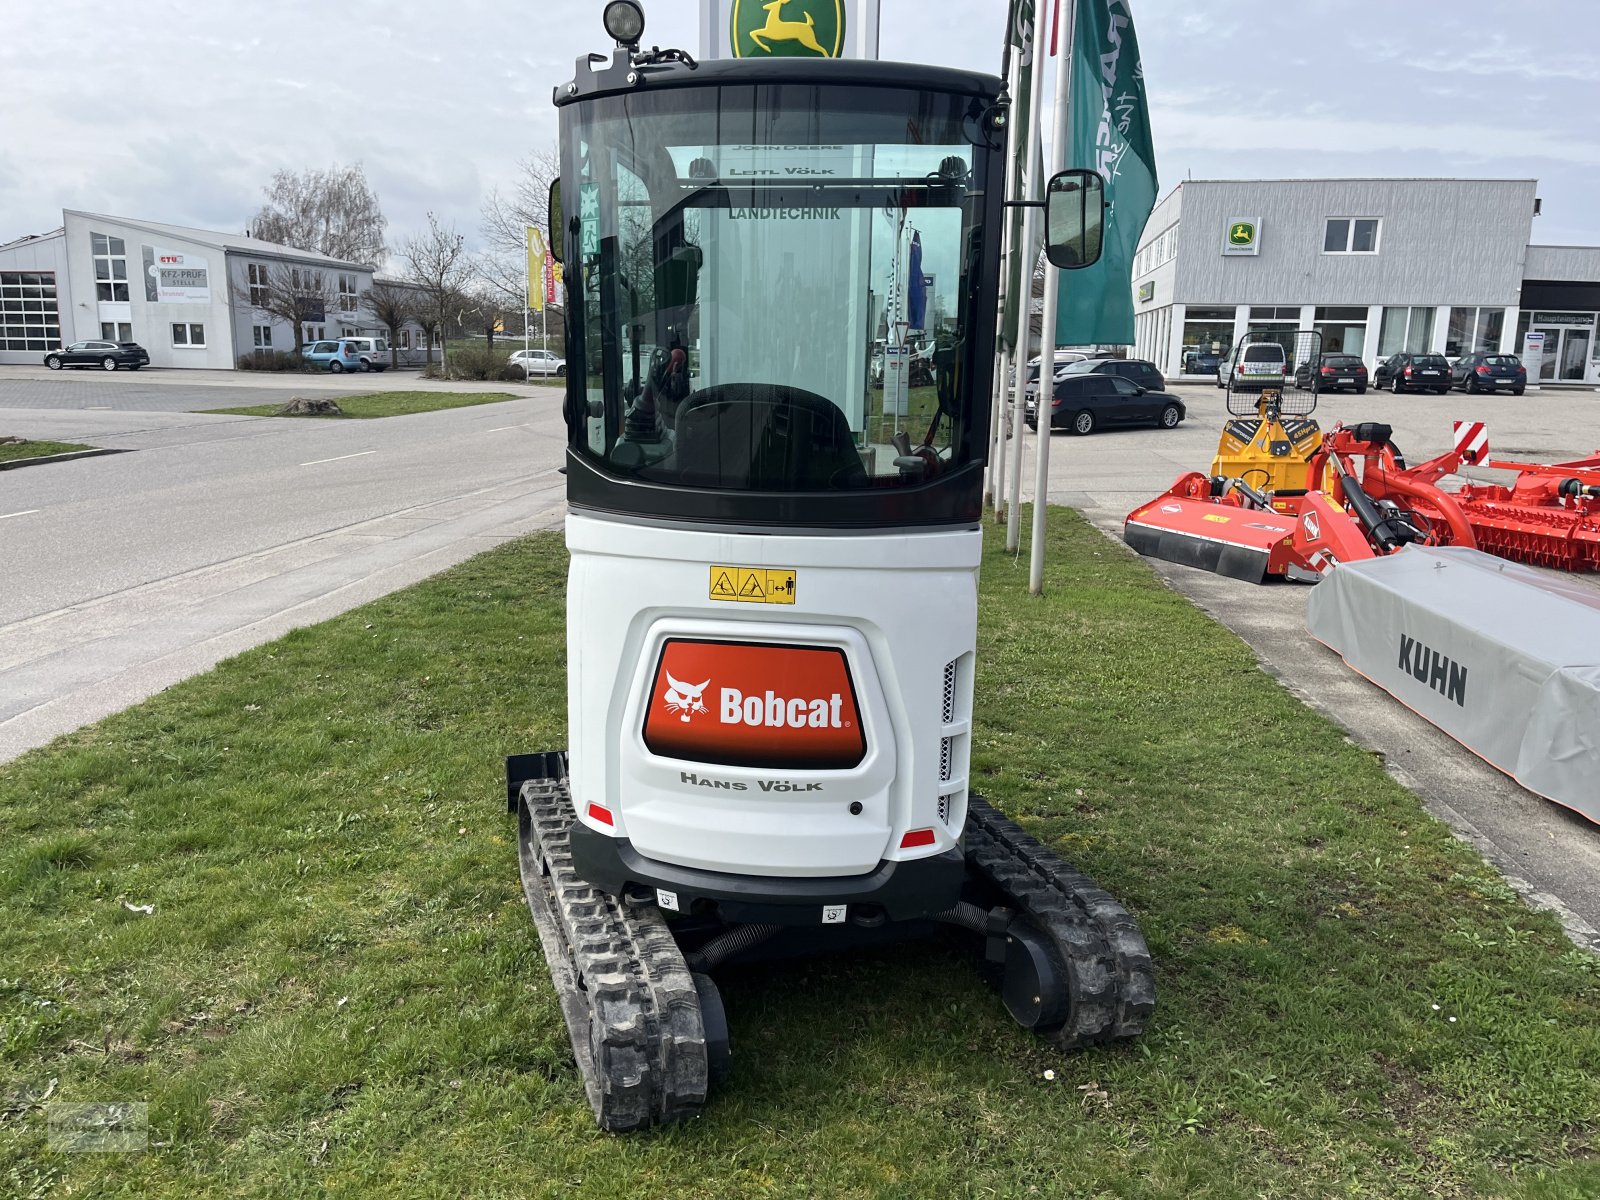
(1503,658)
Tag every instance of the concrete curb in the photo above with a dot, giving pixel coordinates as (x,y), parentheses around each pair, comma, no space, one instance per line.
(50,458)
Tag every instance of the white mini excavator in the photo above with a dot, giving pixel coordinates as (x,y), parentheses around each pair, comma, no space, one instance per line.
(773,595)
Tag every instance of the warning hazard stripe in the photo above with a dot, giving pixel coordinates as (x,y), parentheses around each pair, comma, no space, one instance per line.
(1472,440)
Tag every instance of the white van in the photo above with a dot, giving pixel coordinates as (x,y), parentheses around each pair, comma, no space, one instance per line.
(374,352)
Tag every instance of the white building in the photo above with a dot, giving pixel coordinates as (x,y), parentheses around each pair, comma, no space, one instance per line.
(1376,266)
(183,294)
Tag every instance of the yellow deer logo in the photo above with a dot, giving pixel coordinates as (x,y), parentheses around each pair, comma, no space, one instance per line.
(778,30)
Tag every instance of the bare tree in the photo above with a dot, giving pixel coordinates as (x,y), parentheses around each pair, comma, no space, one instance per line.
(334,212)
(295,294)
(506,216)
(392,303)
(437,263)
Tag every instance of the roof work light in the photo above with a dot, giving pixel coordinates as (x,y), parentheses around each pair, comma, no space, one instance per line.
(624,21)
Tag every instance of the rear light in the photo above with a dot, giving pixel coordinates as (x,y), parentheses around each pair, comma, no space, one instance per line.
(1327,370)
(917,837)
(603,815)
(1482,370)
(1408,370)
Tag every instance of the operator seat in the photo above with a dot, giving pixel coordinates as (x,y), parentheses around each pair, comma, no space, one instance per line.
(765,437)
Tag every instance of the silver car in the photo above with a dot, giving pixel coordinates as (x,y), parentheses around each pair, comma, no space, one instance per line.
(539,362)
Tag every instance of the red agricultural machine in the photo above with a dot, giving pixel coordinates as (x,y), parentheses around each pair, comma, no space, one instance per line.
(1360,501)
(1550,515)
(1285,499)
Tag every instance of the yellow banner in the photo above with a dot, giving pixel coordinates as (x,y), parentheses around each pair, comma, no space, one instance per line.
(535,269)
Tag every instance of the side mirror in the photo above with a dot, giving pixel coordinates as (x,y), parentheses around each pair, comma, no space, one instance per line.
(554,209)
(1139,391)
(1074,219)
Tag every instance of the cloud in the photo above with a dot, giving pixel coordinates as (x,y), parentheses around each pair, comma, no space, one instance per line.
(206,100)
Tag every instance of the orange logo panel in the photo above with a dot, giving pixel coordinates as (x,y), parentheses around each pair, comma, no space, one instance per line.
(754,704)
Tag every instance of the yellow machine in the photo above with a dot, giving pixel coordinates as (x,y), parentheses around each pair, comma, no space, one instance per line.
(1269,437)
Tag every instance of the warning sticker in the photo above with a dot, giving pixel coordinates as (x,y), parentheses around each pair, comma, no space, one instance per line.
(752,585)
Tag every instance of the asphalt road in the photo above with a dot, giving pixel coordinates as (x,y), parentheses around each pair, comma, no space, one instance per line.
(120,575)
(1549,853)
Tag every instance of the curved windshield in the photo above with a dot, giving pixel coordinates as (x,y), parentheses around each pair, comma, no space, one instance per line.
(776,285)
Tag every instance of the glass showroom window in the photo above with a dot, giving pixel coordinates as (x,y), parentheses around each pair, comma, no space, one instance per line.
(258,285)
(116,331)
(186,334)
(1207,336)
(110,267)
(1280,324)
(347,293)
(1350,235)
(1406,329)
(1473,329)
(29,319)
(1343,330)
(262,335)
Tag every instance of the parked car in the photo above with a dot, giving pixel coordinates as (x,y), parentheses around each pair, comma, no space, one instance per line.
(1259,366)
(1334,373)
(1203,361)
(373,352)
(108,356)
(1137,370)
(1085,401)
(1409,372)
(539,362)
(1489,373)
(334,354)
(1063,360)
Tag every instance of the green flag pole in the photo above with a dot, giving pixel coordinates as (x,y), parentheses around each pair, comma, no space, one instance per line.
(1022,275)
(1052,286)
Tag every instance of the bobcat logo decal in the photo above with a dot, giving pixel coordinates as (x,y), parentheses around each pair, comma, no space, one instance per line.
(686,699)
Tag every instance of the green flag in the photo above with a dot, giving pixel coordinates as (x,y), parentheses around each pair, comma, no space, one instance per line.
(1024,132)
(1110,133)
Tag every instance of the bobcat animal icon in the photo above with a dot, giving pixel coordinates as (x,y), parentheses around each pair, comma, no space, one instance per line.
(778,30)
(685,699)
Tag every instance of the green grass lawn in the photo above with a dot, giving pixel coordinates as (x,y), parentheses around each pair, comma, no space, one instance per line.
(12,451)
(339,990)
(382,404)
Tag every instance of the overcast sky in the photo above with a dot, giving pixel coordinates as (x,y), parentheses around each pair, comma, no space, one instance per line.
(181,110)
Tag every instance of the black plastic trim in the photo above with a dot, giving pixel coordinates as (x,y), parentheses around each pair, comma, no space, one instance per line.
(904,890)
(955,498)
(612,80)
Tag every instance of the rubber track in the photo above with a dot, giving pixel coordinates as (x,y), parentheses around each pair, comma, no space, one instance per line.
(628,996)
(1109,974)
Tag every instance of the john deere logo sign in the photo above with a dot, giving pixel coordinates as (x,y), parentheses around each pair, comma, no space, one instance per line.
(787,28)
(1241,238)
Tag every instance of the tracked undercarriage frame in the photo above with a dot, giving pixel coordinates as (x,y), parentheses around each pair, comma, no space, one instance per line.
(648,1031)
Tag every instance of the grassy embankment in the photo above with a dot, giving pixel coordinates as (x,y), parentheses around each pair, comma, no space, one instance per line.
(380,404)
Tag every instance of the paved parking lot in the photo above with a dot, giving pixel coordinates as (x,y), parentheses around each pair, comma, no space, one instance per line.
(1551,854)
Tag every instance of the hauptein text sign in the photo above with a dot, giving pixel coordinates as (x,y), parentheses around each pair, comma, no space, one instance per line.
(1242,236)
(789,28)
